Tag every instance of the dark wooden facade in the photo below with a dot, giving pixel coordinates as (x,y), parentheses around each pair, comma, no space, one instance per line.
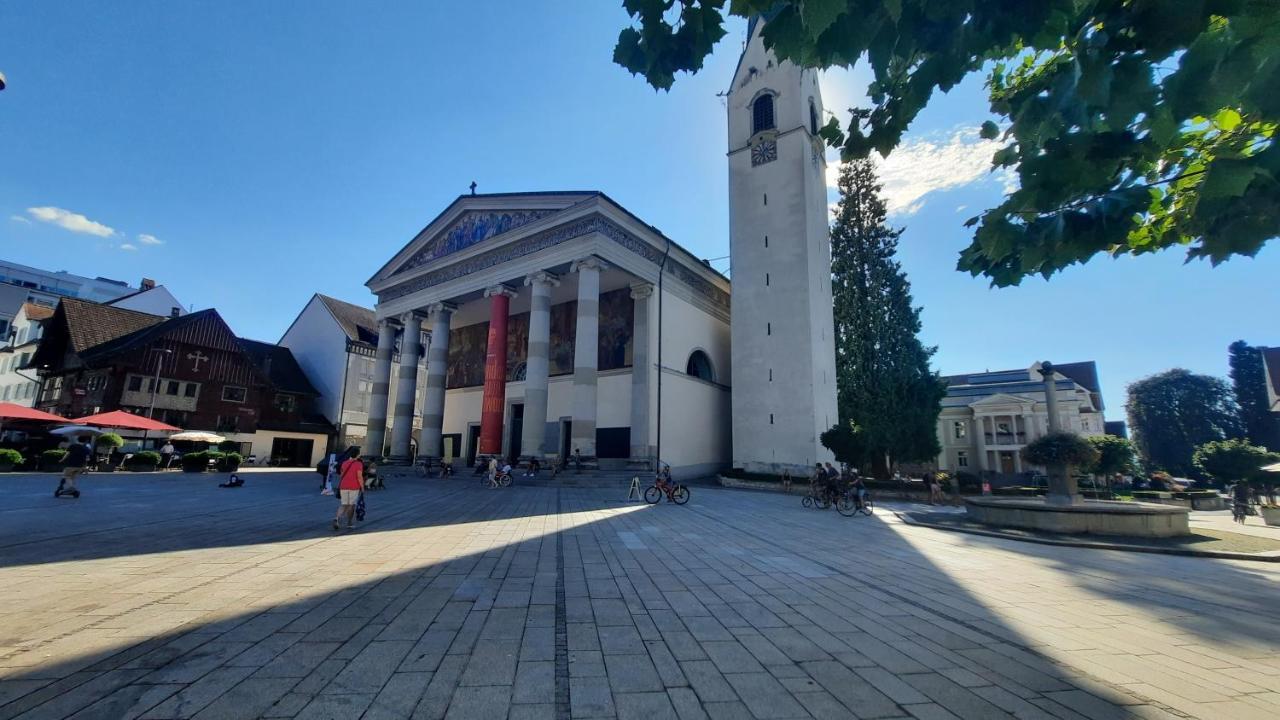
(207,379)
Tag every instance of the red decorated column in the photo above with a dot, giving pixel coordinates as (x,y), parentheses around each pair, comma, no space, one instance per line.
(495,371)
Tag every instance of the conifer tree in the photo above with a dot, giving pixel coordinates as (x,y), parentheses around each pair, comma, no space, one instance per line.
(887,392)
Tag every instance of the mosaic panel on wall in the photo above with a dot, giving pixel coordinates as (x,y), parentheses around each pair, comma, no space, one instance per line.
(467,345)
(471,228)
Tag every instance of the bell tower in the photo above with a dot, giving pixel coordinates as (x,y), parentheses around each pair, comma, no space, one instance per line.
(784,384)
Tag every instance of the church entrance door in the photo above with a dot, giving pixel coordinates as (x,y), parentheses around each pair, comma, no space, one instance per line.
(516,430)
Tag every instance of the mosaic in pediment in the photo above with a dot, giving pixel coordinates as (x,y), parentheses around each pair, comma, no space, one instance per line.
(472,227)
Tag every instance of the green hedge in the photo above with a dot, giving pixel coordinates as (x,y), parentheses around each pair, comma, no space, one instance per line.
(195,462)
(144,459)
(9,456)
(53,456)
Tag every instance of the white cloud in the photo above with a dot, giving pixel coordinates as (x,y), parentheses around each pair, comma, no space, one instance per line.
(19,218)
(146,239)
(73,221)
(937,161)
(128,246)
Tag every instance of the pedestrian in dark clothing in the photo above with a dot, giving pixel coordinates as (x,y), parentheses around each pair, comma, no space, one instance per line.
(74,465)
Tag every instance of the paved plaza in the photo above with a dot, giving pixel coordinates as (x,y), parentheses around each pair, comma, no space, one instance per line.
(165,597)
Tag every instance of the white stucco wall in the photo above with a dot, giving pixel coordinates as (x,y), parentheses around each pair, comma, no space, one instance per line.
(156,301)
(319,346)
(784,393)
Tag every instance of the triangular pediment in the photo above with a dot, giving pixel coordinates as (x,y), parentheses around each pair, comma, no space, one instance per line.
(475,219)
(1003,399)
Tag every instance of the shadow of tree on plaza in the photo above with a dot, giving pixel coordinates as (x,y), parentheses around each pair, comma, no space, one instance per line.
(463,588)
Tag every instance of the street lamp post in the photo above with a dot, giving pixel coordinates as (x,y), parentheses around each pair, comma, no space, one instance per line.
(155,385)
(1062,486)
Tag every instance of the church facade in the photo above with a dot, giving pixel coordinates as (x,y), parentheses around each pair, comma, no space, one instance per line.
(559,324)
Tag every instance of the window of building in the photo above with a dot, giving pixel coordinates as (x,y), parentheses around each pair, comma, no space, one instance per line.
(813,118)
(766,279)
(26,358)
(22,336)
(962,459)
(190,390)
(172,387)
(762,114)
(134,383)
(699,366)
(7,388)
(285,402)
(232,393)
(960,429)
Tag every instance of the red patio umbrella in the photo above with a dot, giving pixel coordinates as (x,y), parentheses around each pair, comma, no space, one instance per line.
(125,421)
(9,411)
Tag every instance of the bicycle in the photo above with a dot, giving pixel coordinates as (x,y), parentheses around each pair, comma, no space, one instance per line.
(1239,511)
(849,504)
(675,492)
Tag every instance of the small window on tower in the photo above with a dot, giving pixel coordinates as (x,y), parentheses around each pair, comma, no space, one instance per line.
(762,114)
(768,328)
(766,279)
(766,241)
(813,118)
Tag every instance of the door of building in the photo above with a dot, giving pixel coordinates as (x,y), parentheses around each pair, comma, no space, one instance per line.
(291,452)
(516,430)
(473,444)
(1006,462)
(566,438)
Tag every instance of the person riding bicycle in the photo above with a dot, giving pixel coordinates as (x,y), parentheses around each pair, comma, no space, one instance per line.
(859,489)
(663,478)
(831,482)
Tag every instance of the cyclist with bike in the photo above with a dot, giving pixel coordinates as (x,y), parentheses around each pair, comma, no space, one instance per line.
(1240,501)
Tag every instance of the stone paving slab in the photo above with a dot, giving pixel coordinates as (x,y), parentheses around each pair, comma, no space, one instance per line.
(166,598)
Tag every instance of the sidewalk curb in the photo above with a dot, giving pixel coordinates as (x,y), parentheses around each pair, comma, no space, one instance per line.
(1214,554)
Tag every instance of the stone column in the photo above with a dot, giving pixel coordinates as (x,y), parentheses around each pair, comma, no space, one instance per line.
(641,370)
(376,432)
(1062,484)
(537,366)
(439,315)
(586,356)
(406,388)
(495,370)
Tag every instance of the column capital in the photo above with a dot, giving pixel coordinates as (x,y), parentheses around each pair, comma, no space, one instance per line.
(434,310)
(542,277)
(411,316)
(641,290)
(591,262)
(392,321)
(499,289)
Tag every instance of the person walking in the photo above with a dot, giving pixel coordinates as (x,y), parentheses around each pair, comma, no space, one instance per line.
(78,454)
(349,487)
(935,490)
(166,454)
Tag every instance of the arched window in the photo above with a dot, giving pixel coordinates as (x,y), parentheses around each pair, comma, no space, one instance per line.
(813,118)
(762,114)
(699,366)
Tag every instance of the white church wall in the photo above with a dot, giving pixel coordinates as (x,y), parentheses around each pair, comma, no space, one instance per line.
(783,349)
(696,435)
(319,346)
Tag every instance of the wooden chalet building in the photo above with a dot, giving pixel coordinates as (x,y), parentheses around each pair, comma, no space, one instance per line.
(97,358)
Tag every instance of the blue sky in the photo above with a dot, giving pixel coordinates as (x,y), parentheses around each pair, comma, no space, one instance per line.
(247,155)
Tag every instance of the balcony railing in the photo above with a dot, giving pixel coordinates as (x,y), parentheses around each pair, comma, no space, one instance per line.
(1005,438)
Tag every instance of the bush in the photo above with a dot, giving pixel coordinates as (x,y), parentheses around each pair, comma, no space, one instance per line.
(230,461)
(107,441)
(1061,447)
(195,462)
(9,456)
(53,456)
(144,459)
(968,481)
(229,446)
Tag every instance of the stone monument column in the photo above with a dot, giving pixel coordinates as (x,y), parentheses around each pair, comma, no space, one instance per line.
(406,388)
(376,431)
(641,370)
(537,366)
(439,315)
(1062,485)
(495,370)
(586,356)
